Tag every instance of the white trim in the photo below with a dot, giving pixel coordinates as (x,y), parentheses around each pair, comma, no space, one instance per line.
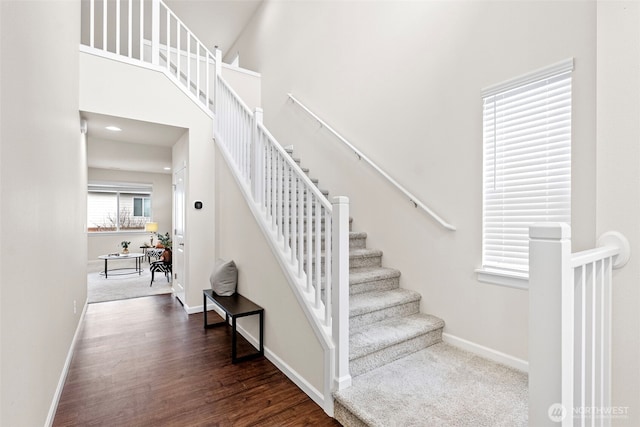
(505,278)
(487,353)
(148,66)
(539,74)
(65,370)
(241,70)
(291,373)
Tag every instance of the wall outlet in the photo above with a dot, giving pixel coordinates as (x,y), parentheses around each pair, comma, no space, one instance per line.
(75,310)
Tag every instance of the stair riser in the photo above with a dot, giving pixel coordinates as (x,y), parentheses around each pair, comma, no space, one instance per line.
(387,355)
(357,262)
(313,224)
(405,309)
(375,285)
(365,261)
(354,243)
(345,417)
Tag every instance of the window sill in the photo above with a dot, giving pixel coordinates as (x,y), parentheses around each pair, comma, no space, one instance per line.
(509,279)
(112,233)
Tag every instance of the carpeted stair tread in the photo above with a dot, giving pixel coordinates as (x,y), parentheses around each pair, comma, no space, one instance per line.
(368,302)
(437,386)
(371,338)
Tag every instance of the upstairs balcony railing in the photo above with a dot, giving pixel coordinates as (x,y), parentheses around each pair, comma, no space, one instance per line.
(147,32)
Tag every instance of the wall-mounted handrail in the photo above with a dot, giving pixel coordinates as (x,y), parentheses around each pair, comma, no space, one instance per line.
(413,199)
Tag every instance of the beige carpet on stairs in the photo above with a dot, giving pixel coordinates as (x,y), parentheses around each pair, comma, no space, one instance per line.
(438,386)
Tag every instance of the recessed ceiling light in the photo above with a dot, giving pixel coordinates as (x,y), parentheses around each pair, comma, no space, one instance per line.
(113,128)
(167,168)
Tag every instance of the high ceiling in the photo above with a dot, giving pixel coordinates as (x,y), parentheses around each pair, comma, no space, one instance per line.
(146,147)
(215,22)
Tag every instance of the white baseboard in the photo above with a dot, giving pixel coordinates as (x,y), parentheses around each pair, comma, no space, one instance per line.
(291,373)
(486,352)
(65,371)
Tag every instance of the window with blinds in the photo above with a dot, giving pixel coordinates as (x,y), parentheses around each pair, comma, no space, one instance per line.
(527,163)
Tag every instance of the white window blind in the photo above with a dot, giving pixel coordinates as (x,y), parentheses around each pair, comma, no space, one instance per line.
(527,162)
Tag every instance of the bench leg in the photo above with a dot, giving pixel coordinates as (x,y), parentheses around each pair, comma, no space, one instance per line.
(234,341)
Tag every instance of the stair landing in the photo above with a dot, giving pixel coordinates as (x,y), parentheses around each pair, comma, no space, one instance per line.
(438,386)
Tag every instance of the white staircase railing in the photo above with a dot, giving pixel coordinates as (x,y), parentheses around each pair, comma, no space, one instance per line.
(308,234)
(570,327)
(148,32)
(361,156)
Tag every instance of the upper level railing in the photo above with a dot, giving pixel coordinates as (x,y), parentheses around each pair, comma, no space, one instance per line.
(147,31)
(570,326)
(413,199)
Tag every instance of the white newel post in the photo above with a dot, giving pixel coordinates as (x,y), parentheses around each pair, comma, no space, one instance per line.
(550,325)
(256,158)
(155,32)
(340,294)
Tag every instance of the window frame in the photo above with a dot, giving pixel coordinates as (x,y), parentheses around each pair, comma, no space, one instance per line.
(143,206)
(120,190)
(490,271)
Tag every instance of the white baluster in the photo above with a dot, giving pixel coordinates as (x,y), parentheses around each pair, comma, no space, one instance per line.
(189,64)
(318,238)
(287,176)
(168,44)
(300,203)
(155,32)
(117,27)
(92,23)
(272,178)
(178,51)
(293,240)
(327,266)
(130,29)
(309,210)
(104,25)
(197,69)
(141,30)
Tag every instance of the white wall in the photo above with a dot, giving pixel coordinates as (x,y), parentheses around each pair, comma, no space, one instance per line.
(245,83)
(402,81)
(287,333)
(43,202)
(121,90)
(618,170)
(162,211)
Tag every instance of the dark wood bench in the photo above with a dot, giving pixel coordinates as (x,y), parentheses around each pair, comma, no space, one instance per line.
(234,306)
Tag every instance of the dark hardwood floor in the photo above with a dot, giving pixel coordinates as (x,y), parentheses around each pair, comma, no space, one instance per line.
(145,362)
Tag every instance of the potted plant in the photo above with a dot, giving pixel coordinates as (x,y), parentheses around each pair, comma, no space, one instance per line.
(164,241)
(125,246)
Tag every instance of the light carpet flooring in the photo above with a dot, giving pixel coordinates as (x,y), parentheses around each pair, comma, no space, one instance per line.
(117,287)
(438,386)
